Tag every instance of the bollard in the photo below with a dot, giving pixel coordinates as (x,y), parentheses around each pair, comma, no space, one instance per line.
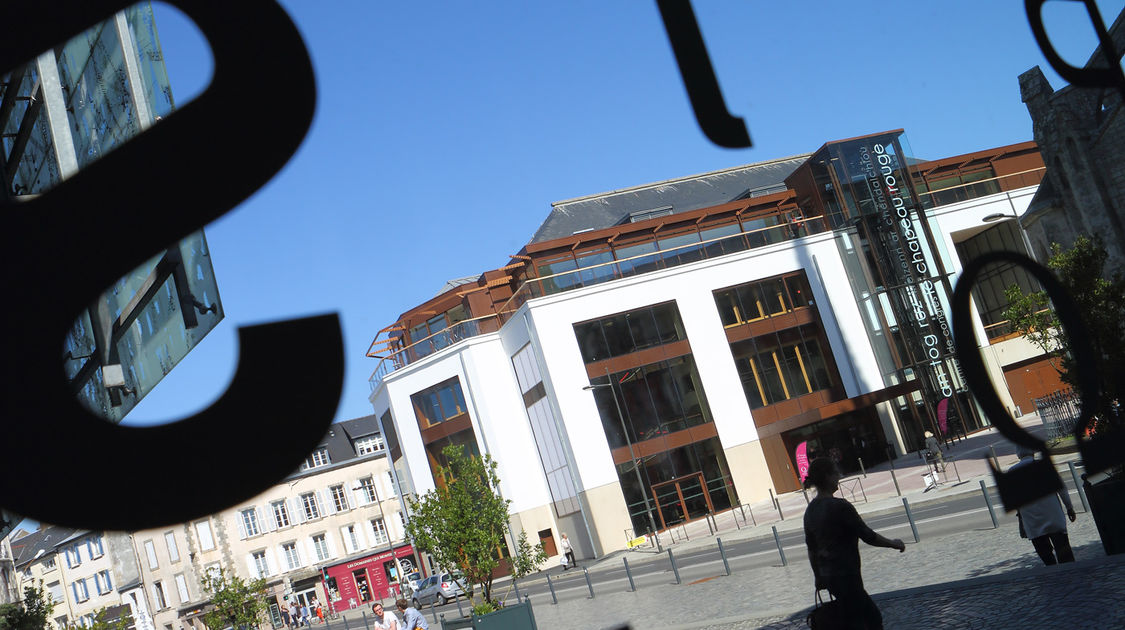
(779,511)
(709,528)
(675,570)
(861,490)
(910,518)
(894,478)
(1078,486)
(516,587)
(995,459)
(753,521)
(773,500)
(460,611)
(723,554)
(806,493)
(780,551)
(590,586)
(345,622)
(861,468)
(433,615)
(988,502)
(363,613)
(554,600)
(629,574)
(955,471)
(656,535)
(736,519)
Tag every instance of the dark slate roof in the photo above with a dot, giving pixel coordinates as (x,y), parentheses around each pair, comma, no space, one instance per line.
(39,543)
(338,441)
(680,195)
(456,282)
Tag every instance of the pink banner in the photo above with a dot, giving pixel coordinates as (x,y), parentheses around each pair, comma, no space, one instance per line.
(802,460)
(942,416)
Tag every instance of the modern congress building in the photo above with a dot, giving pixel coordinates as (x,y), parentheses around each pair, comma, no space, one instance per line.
(660,352)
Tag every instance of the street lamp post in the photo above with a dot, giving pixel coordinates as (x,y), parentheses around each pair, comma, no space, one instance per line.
(632,455)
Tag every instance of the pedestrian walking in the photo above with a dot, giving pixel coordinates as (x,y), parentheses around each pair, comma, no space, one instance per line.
(305,616)
(294,614)
(285,616)
(318,611)
(833,530)
(411,618)
(1042,519)
(933,452)
(568,552)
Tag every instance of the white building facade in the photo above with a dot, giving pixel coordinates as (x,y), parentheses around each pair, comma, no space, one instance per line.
(662,352)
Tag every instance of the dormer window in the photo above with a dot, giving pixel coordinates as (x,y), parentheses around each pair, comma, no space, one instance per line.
(318,458)
(369,444)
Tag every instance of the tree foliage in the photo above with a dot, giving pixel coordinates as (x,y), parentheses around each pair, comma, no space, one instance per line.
(31,613)
(237,603)
(102,621)
(1100,298)
(461,523)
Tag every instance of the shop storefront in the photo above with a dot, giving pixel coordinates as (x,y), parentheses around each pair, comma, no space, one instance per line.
(360,581)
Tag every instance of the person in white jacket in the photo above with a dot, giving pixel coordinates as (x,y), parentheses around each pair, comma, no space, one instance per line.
(568,552)
(1042,520)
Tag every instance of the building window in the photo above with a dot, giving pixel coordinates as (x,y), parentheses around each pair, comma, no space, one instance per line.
(94,547)
(402,520)
(73,556)
(56,591)
(367,488)
(625,333)
(761,299)
(158,595)
(391,481)
(103,582)
(439,403)
(308,502)
(351,538)
(203,529)
(280,513)
(49,564)
(81,593)
(173,550)
(320,543)
(250,522)
(779,366)
(339,498)
(380,531)
(369,444)
(150,552)
(292,558)
(318,458)
(182,588)
(260,564)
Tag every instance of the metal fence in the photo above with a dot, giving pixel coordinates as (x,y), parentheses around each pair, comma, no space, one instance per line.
(1059,412)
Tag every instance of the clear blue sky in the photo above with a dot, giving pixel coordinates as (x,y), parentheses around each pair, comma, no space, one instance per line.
(443,134)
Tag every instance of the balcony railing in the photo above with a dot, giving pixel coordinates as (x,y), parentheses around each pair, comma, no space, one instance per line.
(662,259)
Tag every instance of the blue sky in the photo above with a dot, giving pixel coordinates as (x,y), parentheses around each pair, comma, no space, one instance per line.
(443,134)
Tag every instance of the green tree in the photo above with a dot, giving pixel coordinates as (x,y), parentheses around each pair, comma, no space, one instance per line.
(461,523)
(527,559)
(32,613)
(237,603)
(1100,298)
(103,621)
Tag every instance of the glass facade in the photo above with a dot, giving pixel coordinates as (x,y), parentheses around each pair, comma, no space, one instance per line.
(69,107)
(782,365)
(865,185)
(646,410)
(624,333)
(439,403)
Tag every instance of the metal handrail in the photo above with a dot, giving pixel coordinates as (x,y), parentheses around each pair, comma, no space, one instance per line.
(521,295)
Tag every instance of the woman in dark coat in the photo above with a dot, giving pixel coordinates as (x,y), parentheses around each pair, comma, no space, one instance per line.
(833,530)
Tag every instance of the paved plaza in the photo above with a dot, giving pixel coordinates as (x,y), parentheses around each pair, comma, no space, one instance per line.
(982,577)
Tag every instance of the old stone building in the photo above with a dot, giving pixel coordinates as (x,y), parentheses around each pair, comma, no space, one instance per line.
(1081,134)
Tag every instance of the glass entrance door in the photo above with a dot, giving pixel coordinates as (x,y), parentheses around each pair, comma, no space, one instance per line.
(682,499)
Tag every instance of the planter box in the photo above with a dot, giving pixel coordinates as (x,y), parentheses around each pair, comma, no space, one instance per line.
(513,617)
(1107,505)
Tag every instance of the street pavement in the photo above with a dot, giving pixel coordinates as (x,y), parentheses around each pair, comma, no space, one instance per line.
(962,574)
